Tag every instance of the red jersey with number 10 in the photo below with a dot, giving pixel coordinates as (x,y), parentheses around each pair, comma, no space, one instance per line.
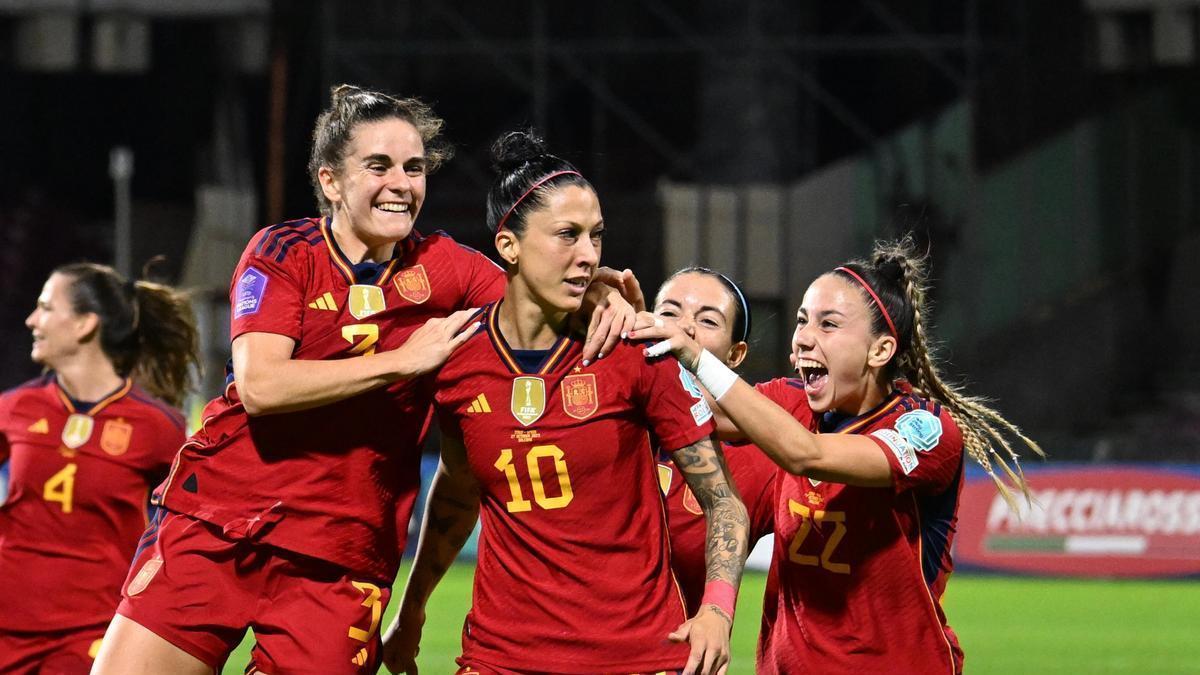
(860,571)
(335,482)
(79,485)
(574,573)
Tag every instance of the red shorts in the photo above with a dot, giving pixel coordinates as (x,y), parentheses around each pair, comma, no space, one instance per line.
(479,668)
(200,591)
(68,652)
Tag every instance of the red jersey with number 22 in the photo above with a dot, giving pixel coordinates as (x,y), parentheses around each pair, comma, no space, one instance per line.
(335,482)
(573,574)
(860,571)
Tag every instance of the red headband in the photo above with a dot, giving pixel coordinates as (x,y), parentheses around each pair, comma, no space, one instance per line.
(530,190)
(878,303)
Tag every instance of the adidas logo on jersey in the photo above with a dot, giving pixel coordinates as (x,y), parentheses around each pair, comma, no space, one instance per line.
(479,405)
(39,427)
(324,302)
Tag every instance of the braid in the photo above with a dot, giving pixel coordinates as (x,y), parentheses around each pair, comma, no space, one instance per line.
(983,428)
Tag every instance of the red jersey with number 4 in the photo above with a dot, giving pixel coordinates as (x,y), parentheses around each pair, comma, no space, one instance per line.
(861,571)
(335,482)
(573,573)
(753,473)
(79,485)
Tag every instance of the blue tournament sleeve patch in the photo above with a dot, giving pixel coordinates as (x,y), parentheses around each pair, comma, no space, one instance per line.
(701,413)
(921,429)
(249,292)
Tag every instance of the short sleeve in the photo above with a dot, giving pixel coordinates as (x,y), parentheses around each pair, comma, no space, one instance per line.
(483,280)
(788,393)
(265,295)
(924,450)
(169,436)
(675,407)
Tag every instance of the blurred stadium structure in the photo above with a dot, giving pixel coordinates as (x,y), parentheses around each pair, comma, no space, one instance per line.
(1047,152)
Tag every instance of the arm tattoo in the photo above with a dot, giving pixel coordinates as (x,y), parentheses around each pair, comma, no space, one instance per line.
(704,469)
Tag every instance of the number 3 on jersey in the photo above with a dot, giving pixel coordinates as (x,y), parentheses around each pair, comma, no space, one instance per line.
(518,503)
(362,336)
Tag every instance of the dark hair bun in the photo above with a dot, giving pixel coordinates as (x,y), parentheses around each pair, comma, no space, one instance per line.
(891,268)
(516,148)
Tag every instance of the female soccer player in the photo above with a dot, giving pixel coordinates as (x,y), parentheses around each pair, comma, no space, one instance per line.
(287,511)
(86,443)
(573,573)
(865,519)
(710,308)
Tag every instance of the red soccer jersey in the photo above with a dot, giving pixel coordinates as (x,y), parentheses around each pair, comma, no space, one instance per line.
(79,486)
(752,471)
(336,482)
(861,571)
(573,573)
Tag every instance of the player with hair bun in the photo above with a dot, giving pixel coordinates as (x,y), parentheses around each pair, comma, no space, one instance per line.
(85,443)
(287,512)
(866,514)
(553,454)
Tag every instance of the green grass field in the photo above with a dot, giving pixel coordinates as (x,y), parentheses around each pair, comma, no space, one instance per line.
(1006,625)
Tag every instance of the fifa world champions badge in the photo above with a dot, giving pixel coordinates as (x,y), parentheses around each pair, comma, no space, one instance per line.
(528,399)
(77,430)
(413,284)
(365,300)
(579,397)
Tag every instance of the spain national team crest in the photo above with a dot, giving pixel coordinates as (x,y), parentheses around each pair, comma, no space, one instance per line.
(144,576)
(413,284)
(528,399)
(690,503)
(114,437)
(78,430)
(365,300)
(579,396)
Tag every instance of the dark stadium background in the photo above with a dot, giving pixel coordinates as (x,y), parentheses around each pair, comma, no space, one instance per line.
(1048,153)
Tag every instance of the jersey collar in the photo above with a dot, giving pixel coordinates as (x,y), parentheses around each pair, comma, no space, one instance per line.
(96,407)
(343,264)
(555,355)
(837,423)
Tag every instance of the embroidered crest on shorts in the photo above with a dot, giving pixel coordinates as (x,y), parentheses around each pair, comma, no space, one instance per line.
(413,284)
(365,300)
(528,399)
(144,576)
(78,430)
(579,397)
(114,437)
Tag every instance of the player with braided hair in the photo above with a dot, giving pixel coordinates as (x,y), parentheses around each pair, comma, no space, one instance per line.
(865,517)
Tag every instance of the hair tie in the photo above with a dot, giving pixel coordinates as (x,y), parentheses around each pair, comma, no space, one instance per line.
(530,191)
(878,303)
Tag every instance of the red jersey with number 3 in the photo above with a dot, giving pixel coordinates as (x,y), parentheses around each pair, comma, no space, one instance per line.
(79,487)
(861,571)
(573,573)
(754,474)
(335,482)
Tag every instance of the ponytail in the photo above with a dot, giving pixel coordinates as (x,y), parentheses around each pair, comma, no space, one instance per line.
(147,330)
(899,276)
